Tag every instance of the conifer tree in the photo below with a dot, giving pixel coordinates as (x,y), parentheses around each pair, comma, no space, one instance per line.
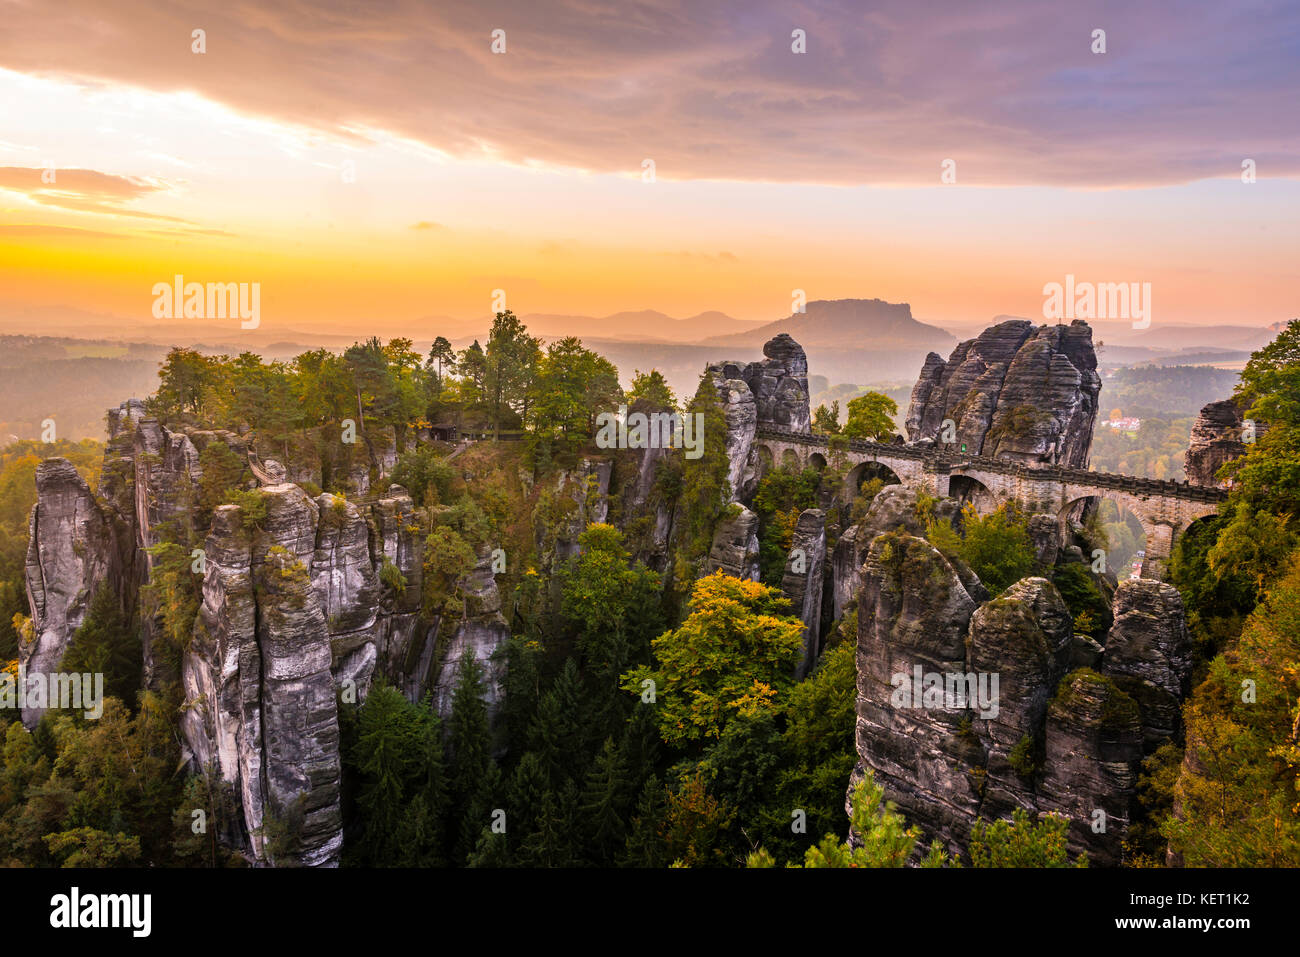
(552,843)
(470,765)
(645,845)
(604,803)
(559,732)
(528,787)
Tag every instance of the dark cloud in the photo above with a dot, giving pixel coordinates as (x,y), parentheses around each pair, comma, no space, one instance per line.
(711,90)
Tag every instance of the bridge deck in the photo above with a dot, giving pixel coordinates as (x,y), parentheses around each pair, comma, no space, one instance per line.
(939,459)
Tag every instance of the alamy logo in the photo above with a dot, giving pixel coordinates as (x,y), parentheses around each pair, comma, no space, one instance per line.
(658,430)
(1103,300)
(68,692)
(217,300)
(951,691)
(73,910)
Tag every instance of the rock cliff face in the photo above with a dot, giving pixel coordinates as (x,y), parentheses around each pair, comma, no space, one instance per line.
(914,611)
(480,634)
(298,608)
(1015,392)
(802,582)
(1217,438)
(260,699)
(1059,738)
(1148,655)
(894,508)
(735,546)
(773,393)
(73,550)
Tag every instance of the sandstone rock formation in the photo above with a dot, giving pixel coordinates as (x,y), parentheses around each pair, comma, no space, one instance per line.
(298,607)
(1217,438)
(1015,392)
(846,569)
(772,393)
(72,551)
(802,582)
(1148,654)
(1092,753)
(914,611)
(260,700)
(1047,532)
(735,546)
(480,634)
(1072,719)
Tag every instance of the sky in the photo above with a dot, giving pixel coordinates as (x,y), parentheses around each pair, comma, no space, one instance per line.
(375,166)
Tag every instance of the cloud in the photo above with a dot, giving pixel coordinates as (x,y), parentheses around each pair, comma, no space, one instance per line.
(83,190)
(687,256)
(86,182)
(40,230)
(712,91)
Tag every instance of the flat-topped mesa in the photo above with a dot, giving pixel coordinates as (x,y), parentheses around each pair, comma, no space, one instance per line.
(1016,392)
(771,393)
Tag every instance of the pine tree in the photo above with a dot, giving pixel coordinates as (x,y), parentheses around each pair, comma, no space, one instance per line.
(552,844)
(528,787)
(107,644)
(422,825)
(471,766)
(639,747)
(559,732)
(645,845)
(389,761)
(604,803)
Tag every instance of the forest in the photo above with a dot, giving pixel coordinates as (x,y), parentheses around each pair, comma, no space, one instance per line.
(651,714)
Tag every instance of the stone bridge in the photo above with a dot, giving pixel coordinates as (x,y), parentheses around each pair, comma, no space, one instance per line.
(1164,508)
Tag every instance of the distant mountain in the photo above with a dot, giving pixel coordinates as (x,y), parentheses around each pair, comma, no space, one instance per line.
(847,340)
(849,323)
(1203,338)
(646,325)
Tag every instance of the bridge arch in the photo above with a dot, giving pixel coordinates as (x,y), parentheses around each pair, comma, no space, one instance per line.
(790,460)
(1163,509)
(969,490)
(817,461)
(865,472)
(1131,534)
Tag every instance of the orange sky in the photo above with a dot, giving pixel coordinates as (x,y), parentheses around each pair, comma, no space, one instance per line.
(380,182)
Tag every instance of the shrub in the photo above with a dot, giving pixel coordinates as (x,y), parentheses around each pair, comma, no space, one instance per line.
(392,576)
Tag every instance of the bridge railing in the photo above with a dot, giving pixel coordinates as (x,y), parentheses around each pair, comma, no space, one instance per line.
(941,459)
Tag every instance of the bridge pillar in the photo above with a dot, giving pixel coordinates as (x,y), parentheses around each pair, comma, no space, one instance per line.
(1160,547)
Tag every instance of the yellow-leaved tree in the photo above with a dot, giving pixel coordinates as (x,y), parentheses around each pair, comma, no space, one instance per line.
(736,651)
